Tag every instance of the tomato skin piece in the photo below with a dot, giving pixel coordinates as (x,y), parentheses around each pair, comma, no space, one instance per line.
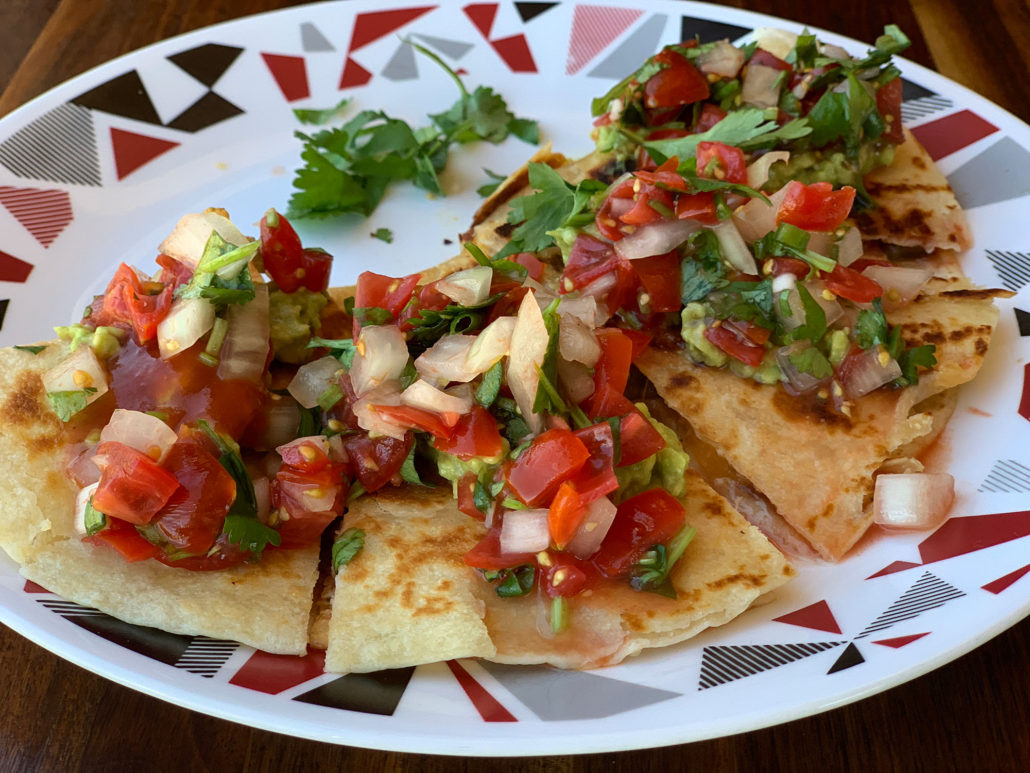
(124,538)
(305,457)
(697,206)
(377,460)
(565,514)
(888,102)
(665,174)
(607,402)
(486,554)
(531,263)
(475,435)
(385,292)
(552,458)
(466,496)
(133,487)
(192,519)
(604,220)
(679,83)
(710,115)
(130,303)
(639,339)
(815,207)
(660,276)
(848,283)
(769,59)
(638,439)
(415,418)
(589,259)
(717,160)
(642,211)
(650,518)
(612,368)
(735,345)
(597,477)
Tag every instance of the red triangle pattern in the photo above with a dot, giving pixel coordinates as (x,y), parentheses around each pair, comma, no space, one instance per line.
(897,566)
(593,29)
(131,150)
(44,213)
(997,586)
(272,674)
(354,75)
(514,50)
(489,708)
(31,587)
(369,27)
(900,641)
(13,269)
(290,73)
(1024,400)
(482,15)
(816,616)
(952,132)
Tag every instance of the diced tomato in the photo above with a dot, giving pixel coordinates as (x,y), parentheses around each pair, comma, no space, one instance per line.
(607,402)
(720,161)
(597,477)
(612,369)
(431,298)
(552,458)
(638,439)
(566,576)
(888,102)
(644,160)
(768,59)
(640,340)
(531,263)
(605,221)
(665,174)
(862,264)
(486,554)
(133,486)
(377,460)
(305,455)
(589,259)
(415,418)
(735,345)
(650,518)
(223,555)
(679,83)
(565,514)
(124,538)
(756,334)
(848,283)
(697,206)
(709,116)
(475,435)
(508,305)
(311,500)
(660,276)
(795,266)
(815,207)
(466,496)
(193,517)
(135,304)
(290,265)
(385,292)
(651,204)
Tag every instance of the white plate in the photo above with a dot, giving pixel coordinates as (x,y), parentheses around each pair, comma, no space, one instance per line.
(99,169)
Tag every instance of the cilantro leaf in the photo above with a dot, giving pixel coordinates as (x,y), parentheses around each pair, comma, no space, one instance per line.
(67,404)
(547,397)
(323,116)
(911,360)
(383,234)
(742,128)
(30,349)
(342,349)
(346,547)
(93,519)
(651,572)
(512,582)
(815,318)
(495,181)
(249,533)
(871,327)
(490,386)
(811,360)
(408,472)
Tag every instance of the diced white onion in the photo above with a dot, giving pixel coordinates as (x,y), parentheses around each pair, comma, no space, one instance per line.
(584,307)
(490,345)
(900,283)
(868,371)
(336,450)
(263,497)
(850,248)
(734,248)
(821,242)
(321,442)
(447,360)
(422,394)
(276,423)
(369,419)
(795,381)
(147,434)
(831,306)
(760,87)
(576,380)
(80,370)
(776,41)
(655,238)
(756,218)
(469,287)
(312,379)
(784,282)
(723,59)
(577,341)
(245,349)
(593,528)
(833,51)
(187,241)
(758,170)
(912,500)
(81,500)
(187,320)
(529,342)
(381,356)
(525,531)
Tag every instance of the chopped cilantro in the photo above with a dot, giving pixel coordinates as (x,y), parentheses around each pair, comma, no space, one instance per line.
(67,404)
(383,234)
(93,519)
(652,570)
(342,349)
(815,318)
(911,360)
(495,181)
(346,546)
(490,386)
(811,360)
(408,472)
(31,349)
(512,582)
(481,498)
(746,128)
(323,116)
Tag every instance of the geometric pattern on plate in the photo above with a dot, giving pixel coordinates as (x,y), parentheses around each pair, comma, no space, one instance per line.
(60,146)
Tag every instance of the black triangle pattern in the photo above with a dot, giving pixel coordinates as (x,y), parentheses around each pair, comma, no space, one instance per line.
(375,693)
(206,111)
(4,303)
(1013,268)
(59,146)
(125,96)
(1023,321)
(918,101)
(929,592)
(848,658)
(728,662)
(529,11)
(707,30)
(206,63)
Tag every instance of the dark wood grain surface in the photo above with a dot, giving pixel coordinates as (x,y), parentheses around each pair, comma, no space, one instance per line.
(973,714)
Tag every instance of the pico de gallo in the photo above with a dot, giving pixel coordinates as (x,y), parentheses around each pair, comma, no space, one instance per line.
(720,222)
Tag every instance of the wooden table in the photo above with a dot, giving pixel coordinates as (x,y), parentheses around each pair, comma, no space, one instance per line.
(971,714)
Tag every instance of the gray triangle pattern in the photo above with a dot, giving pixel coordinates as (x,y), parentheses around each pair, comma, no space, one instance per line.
(635,49)
(455,49)
(999,173)
(1007,476)
(401,66)
(312,40)
(60,147)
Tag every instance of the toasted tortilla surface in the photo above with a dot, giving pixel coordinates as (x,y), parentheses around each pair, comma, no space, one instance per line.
(265,605)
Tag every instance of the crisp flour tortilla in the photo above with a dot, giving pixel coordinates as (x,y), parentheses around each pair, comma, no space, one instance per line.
(816,467)
(916,206)
(265,605)
(408,597)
